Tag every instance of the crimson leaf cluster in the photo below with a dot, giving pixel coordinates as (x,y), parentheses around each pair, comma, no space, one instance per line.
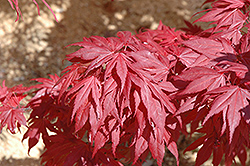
(127,96)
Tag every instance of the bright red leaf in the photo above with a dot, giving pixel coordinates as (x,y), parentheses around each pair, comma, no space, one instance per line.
(12,114)
(231,100)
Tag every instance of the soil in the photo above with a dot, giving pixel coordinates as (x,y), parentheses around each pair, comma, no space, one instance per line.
(35,46)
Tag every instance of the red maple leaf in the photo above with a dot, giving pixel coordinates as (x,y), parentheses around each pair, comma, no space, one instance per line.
(201,78)
(11,114)
(11,111)
(228,16)
(73,151)
(116,87)
(127,96)
(230,101)
(15,6)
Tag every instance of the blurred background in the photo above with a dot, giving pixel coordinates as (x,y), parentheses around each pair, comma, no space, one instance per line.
(35,46)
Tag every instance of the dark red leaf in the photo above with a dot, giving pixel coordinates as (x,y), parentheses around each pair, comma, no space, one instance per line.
(242,155)
(205,152)
(195,144)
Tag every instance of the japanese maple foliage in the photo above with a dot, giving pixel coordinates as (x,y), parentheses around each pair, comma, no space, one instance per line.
(11,111)
(15,6)
(129,96)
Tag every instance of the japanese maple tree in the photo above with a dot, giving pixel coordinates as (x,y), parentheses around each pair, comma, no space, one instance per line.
(15,6)
(127,96)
